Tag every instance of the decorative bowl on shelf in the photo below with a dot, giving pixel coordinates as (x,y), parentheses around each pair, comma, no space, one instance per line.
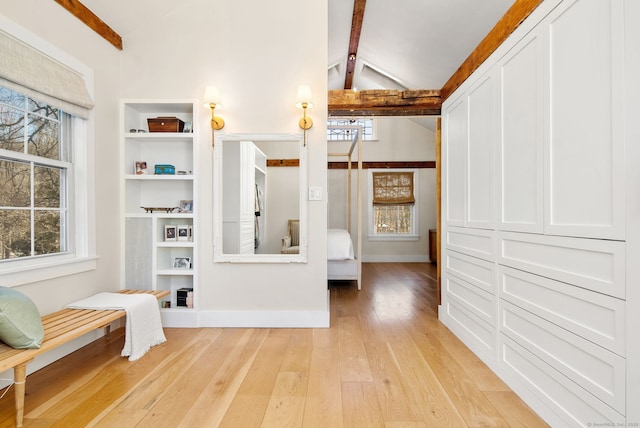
(164,209)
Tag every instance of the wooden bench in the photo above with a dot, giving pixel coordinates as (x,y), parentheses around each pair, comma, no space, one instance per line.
(59,328)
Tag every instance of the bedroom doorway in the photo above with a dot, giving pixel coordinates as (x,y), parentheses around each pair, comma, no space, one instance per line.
(387,141)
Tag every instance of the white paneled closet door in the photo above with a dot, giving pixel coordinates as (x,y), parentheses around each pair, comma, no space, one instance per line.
(520,154)
(480,164)
(455,166)
(585,151)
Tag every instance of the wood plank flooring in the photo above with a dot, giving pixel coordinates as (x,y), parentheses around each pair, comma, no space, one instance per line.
(386,361)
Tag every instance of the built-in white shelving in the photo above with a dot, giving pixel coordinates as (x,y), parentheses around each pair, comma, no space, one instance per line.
(153,257)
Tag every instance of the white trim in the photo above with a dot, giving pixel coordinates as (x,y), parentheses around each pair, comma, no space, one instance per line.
(395,258)
(54,268)
(218,255)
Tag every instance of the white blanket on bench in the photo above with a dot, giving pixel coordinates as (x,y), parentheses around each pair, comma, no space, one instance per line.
(143,327)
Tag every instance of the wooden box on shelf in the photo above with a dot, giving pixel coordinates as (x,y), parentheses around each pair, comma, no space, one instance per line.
(165,124)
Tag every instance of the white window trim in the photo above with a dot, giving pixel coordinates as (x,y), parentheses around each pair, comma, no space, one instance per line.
(414,218)
(82,203)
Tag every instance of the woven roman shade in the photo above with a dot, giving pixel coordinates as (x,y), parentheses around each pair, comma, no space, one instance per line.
(393,188)
(28,71)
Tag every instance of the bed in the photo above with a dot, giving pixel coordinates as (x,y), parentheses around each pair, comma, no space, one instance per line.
(343,262)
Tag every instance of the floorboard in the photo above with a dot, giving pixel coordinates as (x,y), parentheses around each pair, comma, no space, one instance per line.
(386,361)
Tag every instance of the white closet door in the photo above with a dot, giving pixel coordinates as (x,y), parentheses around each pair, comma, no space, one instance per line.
(520,153)
(481,137)
(585,154)
(455,166)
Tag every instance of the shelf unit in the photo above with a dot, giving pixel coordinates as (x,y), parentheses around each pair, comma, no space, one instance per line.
(150,259)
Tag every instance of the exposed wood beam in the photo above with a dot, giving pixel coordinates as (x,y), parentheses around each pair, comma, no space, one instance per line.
(354,40)
(383,164)
(384,102)
(85,15)
(517,13)
(283,162)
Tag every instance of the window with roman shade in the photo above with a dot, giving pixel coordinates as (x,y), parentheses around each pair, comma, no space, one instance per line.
(45,180)
(392,204)
(393,188)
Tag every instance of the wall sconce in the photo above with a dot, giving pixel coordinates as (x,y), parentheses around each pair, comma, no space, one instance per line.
(303,101)
(212,99)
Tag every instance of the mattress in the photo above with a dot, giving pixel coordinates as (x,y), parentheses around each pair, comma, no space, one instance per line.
(339,245)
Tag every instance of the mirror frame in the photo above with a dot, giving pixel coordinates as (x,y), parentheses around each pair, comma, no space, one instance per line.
(218,255)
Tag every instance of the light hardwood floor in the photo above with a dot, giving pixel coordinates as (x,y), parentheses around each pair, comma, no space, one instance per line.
(386,361)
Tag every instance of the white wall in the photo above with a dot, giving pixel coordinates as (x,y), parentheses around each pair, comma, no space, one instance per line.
(44,20)
(399,139)
(257,54)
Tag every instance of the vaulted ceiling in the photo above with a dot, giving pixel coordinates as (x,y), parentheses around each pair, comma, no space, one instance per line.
(407,44)
(373,44)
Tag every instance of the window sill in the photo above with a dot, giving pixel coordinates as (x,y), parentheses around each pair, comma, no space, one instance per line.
(393,237)
(45,270)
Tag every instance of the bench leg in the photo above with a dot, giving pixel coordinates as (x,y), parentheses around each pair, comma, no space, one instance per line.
(19,378)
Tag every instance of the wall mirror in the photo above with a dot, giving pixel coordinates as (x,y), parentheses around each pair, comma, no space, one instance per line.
(259,198)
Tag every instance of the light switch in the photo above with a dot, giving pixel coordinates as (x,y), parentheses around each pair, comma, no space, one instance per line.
(315,193)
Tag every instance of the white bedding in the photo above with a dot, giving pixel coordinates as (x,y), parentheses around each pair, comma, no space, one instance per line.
(339,245)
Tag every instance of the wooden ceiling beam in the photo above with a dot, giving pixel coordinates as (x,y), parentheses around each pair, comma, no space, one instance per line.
(80,11)
(354,41)
(517,13)
(384,102)
(383,164)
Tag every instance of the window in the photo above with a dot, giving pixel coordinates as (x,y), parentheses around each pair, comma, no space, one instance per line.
(337,134)
(47,224)
(34,167)
(392,205)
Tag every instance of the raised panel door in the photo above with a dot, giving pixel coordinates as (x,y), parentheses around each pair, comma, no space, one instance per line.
(586,149)
(481,138)
(455,163)
(520,153)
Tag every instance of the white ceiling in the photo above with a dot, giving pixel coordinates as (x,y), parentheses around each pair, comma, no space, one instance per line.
(408,44)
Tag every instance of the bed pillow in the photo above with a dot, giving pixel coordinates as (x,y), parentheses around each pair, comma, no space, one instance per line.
(20,323)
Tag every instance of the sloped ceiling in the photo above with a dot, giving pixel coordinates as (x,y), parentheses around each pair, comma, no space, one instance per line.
(408,44)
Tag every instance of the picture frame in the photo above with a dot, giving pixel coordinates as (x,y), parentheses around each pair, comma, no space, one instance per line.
(182,263)
(186,206)
(188,127)
(140,167)
(170,232)
(183,232)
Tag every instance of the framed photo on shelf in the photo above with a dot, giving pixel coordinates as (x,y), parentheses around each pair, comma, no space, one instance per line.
(140,167)
(187,127)
(170,232)
(182,262)
(186,206)
(183,232)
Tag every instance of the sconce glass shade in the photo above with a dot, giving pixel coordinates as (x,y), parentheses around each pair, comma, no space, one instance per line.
(212,96)
(304,97)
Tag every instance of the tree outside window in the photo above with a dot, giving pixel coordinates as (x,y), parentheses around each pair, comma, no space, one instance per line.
(34,164)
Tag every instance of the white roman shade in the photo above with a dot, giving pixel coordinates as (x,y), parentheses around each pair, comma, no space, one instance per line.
(30,72)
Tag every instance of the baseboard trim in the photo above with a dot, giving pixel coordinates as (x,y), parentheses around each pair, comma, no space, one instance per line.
(393,258)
